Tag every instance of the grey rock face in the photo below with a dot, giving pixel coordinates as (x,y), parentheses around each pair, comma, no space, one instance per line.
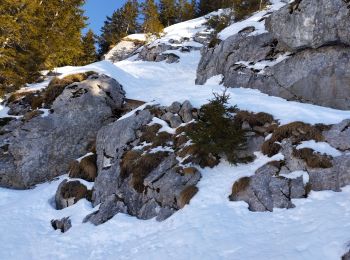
(223,58)
(63,224)
(41,149)
(112,141)
(339,135)
(160,188)
(108,209)
(311,24)
(265,190)
(332,178)
(186,111)
(319,76)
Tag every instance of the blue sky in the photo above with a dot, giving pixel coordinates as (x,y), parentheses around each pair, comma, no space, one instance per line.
(97,10)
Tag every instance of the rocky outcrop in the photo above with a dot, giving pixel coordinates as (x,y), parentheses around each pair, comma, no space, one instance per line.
(138,170)
(311,24)
(123,50)
(275,184)
(41,148)
(316,72)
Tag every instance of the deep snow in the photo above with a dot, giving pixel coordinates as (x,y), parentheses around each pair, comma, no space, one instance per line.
(211,227)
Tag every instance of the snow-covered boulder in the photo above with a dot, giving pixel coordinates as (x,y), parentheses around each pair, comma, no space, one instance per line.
(40,149)
(311,23)
(126,48)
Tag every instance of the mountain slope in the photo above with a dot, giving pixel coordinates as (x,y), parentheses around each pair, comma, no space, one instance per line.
(211,227)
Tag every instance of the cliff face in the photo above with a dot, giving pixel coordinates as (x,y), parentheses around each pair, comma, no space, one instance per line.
(304,55)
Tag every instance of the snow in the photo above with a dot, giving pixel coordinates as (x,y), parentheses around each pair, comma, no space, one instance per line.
(211,227)
(257,21)
(297,174)
(165,127)
(320,147)
(136,37)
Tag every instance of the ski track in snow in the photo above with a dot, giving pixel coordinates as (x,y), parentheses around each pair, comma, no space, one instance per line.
(211,227)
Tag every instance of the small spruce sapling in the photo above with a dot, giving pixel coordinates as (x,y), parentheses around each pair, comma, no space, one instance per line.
(216,131)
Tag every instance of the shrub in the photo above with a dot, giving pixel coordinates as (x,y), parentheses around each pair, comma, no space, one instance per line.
(216,131)
(186,195)
(244,8)
(217,23)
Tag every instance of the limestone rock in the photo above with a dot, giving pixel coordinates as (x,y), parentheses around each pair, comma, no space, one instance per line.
(311,24)
(339,135)
(41,149)
(63,224)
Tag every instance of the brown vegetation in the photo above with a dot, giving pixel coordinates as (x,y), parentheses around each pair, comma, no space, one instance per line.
(186,195)
(86,169)
(259,119)
(74,189)
(139,166)
(297,131)
(240,185)
(313,160)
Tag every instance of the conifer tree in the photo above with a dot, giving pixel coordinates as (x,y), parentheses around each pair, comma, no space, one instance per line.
(186,10)
(36,35)
(151,24)
(168,12)
(89,49)
(122,23)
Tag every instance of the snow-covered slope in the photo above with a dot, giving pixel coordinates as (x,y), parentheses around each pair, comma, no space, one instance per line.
(211,227)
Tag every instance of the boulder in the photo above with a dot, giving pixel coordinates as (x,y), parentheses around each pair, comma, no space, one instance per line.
(311,24)
(338,135)
(186,111)
(265,190)
(123,50)
(40,149)
(69,193)
(63,224)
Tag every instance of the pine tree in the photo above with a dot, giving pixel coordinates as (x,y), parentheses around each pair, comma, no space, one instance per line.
(186,10)
(89,49)
(130,14)
(151,24)
(36,35)
(19,47)
(168,13)
(61,31)
(122,23)
(207,6)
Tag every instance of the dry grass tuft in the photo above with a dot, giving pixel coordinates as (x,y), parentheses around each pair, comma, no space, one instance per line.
(139,166)
(186,195)
(74,189)
(86,169)
(259,119)
(241,185)
(297,131)
(312,159)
